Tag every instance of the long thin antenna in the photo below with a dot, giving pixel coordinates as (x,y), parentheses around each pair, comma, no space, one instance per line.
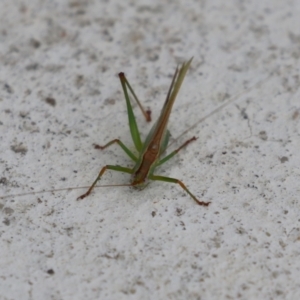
(223,105)
(62,189)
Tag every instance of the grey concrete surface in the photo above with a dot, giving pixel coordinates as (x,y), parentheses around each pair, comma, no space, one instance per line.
(59,94)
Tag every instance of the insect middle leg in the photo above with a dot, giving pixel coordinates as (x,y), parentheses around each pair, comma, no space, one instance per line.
(117,141)
(169,156)
(107,167)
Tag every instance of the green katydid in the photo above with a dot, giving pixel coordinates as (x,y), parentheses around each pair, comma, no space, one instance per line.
(174,88)
(155,144)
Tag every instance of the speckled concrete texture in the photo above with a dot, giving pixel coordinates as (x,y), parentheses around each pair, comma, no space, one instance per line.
(59,94)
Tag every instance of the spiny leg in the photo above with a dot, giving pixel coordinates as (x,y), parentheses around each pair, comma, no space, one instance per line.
(169,156)
(117,141)
(174,180)
(146,113)
(107,167)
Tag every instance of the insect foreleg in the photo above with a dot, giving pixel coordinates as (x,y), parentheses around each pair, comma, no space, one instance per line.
(107,167)
(174,180)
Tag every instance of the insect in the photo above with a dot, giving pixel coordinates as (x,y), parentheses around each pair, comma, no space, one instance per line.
(150,151)
(160,125)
